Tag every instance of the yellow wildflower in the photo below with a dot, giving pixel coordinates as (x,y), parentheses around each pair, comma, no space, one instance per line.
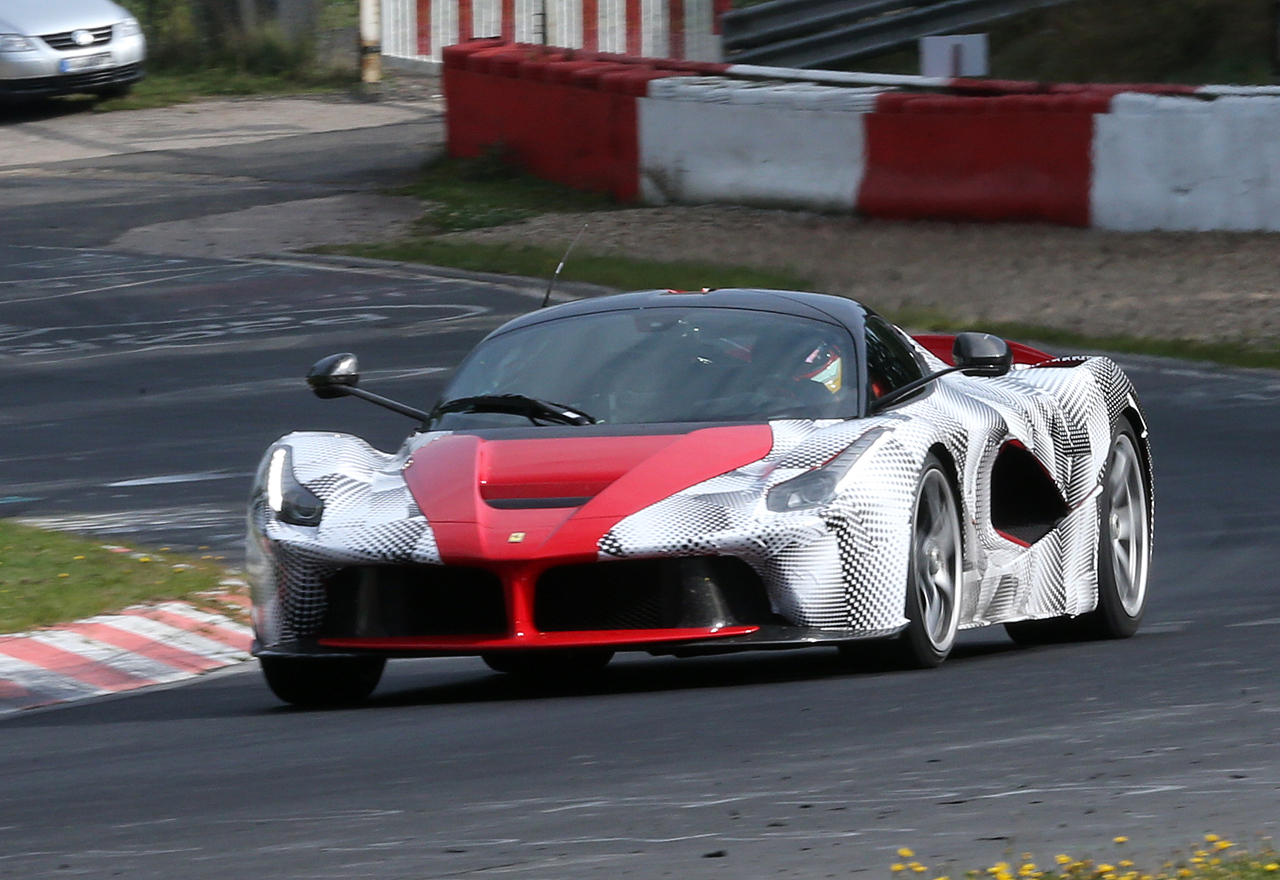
(1210,838)
(1272,867)
(1222,844)
(1062,859)
(1120,839)
(905,853)
(64,575)
(897,868)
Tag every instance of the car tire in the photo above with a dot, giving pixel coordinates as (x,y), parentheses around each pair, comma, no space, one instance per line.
(1124,555)
(113,92)
(322,682)
(566,662)
(935,571)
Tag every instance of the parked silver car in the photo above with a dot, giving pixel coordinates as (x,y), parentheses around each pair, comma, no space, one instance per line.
(59,47)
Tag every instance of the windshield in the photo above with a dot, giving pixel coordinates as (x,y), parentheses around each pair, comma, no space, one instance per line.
(665,365)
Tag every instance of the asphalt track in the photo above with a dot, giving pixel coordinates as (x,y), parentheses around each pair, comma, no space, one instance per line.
(141,390)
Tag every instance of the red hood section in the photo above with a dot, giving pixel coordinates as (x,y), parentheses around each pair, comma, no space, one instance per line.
(455,477)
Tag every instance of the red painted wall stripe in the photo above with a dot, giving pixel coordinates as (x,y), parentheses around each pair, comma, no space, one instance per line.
(635,43)
(424,27)
(591,25)
(466,29)
(974,159)
(508,19)
(675,28)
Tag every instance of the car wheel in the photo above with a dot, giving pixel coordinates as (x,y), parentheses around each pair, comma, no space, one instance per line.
(1124,556)
(548,662)
(322,682)
(113,92)
(934,571)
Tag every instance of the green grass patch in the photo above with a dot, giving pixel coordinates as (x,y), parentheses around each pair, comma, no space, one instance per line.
(167,89)
(51,577)
(491,191)
(539,262)
(1229,353)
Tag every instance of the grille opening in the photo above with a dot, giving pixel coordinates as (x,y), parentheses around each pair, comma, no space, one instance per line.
(65,42)
(388,601)
(1025,502)
(704,591)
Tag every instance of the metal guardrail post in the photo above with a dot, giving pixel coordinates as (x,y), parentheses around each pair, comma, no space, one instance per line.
(370,41)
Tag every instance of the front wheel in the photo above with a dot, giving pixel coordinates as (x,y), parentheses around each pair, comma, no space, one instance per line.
(109,92)
(322,682)
(934,572)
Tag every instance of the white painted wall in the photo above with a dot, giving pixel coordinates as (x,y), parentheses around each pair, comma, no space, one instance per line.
(1187,164)
(713,139)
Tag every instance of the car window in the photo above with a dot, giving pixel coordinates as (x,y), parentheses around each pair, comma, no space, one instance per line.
(667,365)
(890,361)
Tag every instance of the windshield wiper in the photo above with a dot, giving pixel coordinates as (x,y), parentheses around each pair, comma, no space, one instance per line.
(517,405)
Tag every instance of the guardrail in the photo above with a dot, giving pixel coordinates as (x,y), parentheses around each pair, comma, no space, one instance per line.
(818,33)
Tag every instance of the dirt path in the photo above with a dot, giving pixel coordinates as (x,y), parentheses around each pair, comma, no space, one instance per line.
(1209,286)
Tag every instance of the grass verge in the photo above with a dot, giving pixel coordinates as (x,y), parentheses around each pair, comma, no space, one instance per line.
(50,577)
(464,194)
(539,262)
(167,89)
(491,191)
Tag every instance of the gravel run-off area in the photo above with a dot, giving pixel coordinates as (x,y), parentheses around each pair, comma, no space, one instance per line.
(1202,286)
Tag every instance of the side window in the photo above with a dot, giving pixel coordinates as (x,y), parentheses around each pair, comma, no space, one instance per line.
(890,361)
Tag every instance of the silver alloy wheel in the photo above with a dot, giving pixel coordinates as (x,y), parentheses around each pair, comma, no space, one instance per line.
(936,549)
(1128,525)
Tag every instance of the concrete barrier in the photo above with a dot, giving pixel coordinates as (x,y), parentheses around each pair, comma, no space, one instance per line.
(1124,157)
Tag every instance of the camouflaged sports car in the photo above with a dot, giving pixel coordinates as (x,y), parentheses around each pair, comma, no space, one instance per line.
(685,473)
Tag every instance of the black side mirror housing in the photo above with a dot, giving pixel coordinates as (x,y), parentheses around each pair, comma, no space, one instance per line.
(981,354)
(334,376)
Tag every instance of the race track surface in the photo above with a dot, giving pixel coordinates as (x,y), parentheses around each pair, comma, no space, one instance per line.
(140,392)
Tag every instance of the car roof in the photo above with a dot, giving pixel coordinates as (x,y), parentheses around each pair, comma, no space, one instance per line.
(816,306)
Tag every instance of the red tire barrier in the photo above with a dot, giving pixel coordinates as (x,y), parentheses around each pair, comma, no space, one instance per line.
(1014,157)
(564,115)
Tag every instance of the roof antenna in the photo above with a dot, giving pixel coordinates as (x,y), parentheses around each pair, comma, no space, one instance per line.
(546,300)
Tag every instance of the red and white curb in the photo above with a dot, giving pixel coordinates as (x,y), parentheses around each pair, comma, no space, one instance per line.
(143,645)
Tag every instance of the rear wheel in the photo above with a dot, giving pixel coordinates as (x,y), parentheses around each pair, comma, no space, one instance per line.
(549,661)
(1124,556)
(322,682)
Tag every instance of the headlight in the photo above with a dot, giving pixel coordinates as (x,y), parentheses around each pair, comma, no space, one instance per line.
(16,43)
(291,501)
(818,486)
(128,28)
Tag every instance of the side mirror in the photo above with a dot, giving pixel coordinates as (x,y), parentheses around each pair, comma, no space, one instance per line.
(981,354)
(334,376)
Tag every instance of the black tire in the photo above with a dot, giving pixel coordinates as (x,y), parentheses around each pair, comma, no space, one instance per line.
(1124,555)
(110,92)
(322,682)
(547,662)
(935,571)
